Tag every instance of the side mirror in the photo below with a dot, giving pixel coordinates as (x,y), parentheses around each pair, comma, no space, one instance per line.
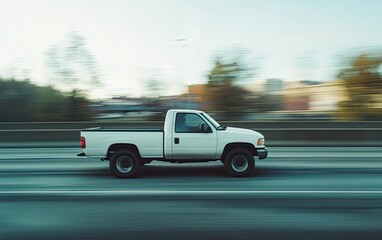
(204,128)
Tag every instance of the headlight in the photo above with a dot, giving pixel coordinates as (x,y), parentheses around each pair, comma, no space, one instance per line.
(260,141)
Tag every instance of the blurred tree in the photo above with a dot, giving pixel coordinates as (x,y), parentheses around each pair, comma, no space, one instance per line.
(153,83)
(363,87)
(224,94)
(23,101)
(72,66)
(153,87)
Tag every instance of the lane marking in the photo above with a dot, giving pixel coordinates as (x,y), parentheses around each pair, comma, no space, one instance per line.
(190,192)
(262,129)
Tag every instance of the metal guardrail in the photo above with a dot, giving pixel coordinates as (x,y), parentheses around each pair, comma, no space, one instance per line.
(287,132)
(264,124)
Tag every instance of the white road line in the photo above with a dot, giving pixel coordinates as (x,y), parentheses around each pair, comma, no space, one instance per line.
(261,129)
(181,192)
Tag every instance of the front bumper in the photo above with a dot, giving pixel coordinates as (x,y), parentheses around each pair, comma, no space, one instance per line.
(262,153)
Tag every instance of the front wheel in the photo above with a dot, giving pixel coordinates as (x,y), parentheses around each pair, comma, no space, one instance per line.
(125,164)
(239,162)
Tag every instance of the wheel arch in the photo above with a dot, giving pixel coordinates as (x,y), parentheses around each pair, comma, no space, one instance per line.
(121,146)
(230,146)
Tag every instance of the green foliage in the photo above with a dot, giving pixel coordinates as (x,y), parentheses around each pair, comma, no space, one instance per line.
(363,84)
(22,101)
(224,94)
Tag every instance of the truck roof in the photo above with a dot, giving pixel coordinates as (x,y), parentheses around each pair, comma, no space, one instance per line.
(185,110)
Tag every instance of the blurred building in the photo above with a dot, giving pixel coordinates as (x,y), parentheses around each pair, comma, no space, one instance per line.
(279,95)
(274,86)
(198,94)
(178,102)
(313,96)
(123,105)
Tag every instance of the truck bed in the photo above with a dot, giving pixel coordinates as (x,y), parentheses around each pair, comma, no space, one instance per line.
(150,142)
(120,129)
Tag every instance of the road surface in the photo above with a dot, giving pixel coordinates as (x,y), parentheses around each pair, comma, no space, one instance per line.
(296,193)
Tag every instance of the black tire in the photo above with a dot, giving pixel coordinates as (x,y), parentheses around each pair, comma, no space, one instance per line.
(239,162)
(125,164)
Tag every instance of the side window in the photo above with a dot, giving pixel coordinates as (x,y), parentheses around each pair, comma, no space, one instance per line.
(188,123)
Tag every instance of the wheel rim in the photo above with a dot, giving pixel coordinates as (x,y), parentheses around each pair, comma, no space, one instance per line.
(124,164)
(239,163)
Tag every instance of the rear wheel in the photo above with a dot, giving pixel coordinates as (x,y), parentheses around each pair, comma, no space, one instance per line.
(125,164)
(239,162)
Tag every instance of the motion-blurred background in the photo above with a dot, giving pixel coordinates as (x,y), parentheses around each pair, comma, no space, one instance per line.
(239,60)
(307,70)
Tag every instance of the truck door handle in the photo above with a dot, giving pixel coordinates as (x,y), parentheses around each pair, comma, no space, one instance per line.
(176,140)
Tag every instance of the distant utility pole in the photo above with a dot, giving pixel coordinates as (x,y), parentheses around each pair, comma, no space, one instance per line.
(182,44)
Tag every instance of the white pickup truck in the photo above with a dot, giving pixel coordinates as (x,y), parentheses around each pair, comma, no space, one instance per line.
(188,136)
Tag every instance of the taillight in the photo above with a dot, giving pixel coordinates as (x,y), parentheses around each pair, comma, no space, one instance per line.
(83,142)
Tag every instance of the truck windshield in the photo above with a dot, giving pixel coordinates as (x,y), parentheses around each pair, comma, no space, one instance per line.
(213,122)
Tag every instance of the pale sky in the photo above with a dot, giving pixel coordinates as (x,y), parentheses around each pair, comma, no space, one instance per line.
(133,40)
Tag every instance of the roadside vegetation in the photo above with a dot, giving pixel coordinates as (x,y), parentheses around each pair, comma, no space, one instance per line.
(22,101)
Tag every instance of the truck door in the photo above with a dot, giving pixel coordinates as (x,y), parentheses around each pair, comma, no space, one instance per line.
(191,140)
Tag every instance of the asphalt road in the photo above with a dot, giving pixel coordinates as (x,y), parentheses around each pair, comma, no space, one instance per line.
(296,193)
